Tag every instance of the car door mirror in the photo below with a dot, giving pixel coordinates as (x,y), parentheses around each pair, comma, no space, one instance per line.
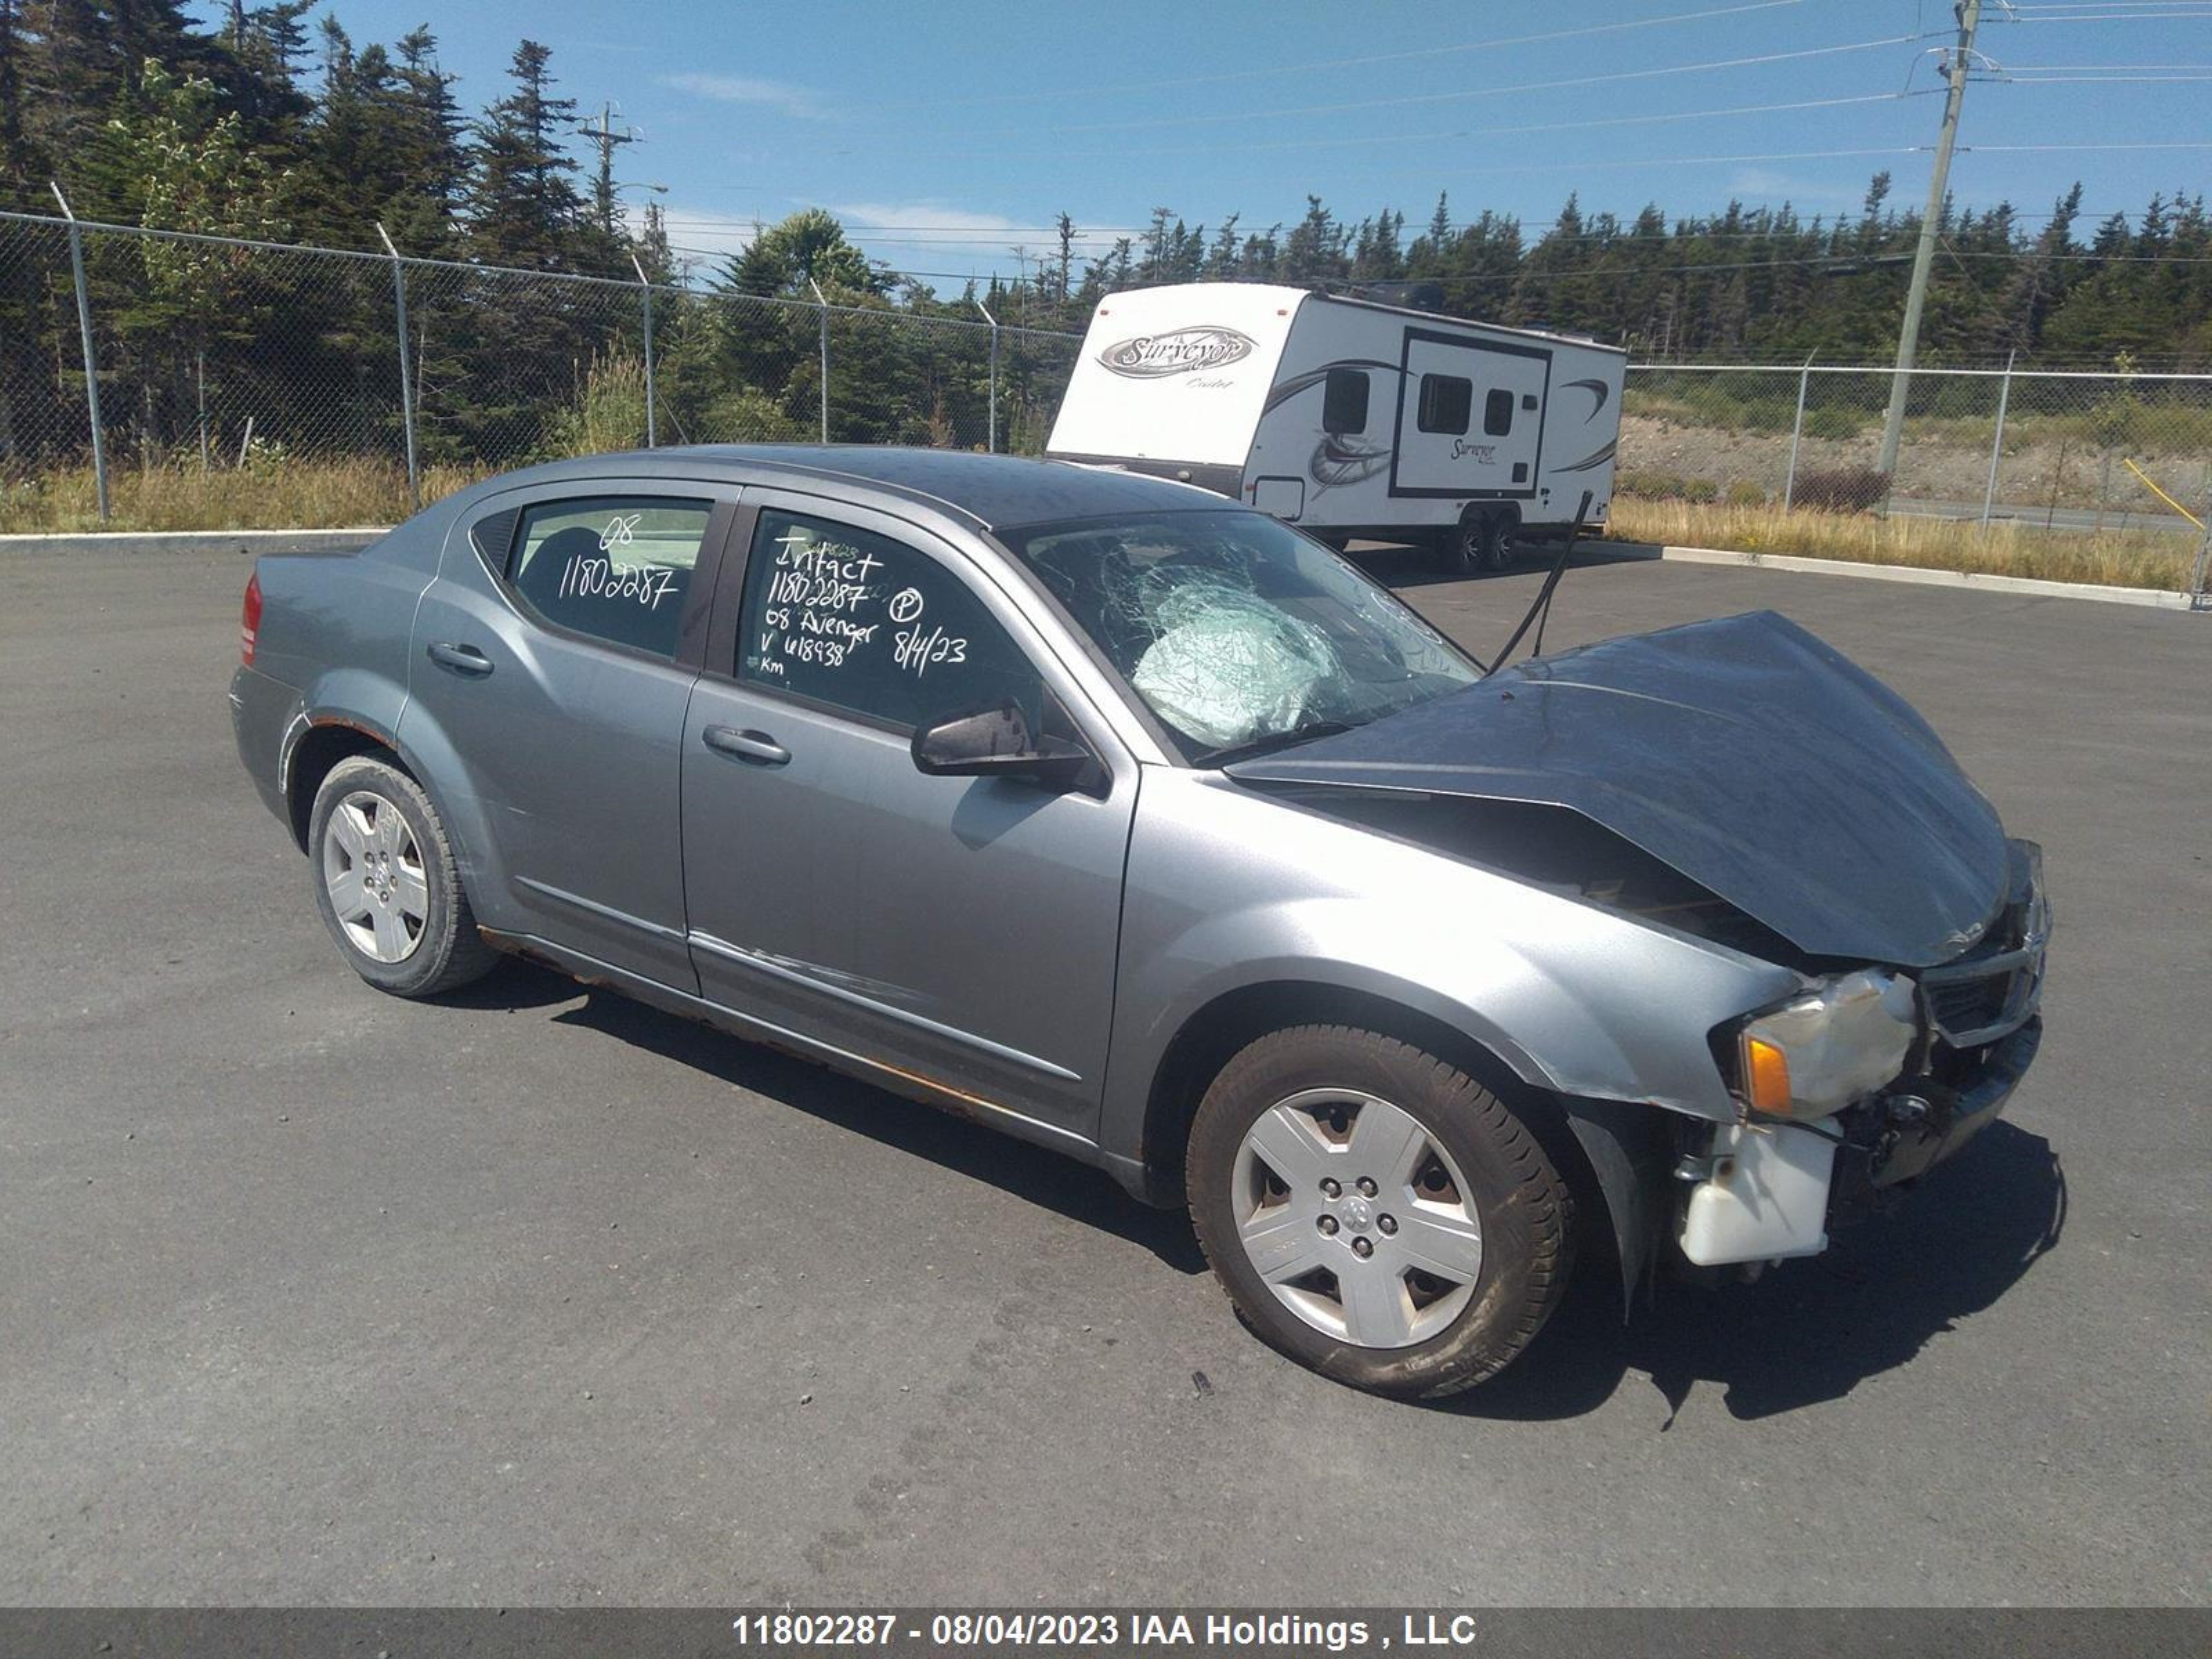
(997,743)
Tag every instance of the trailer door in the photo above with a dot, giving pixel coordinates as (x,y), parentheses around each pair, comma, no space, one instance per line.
(1470,417)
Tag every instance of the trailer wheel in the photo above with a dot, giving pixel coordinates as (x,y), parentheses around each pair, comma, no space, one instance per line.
(1459,550)
(1498,541)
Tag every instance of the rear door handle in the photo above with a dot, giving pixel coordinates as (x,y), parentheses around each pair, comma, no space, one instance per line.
(754,746)
(461,659)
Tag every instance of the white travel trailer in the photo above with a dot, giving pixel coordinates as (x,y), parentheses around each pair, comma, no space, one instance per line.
(1350,418)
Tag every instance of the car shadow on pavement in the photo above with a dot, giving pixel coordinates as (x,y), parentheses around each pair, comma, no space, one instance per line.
(1807,1331)
(1045,1178)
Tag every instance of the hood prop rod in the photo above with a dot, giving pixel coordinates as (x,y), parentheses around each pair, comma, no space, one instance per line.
(1539,608)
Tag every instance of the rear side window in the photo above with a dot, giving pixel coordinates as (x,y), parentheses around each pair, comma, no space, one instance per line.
(1446,400)
(867,624)
(616,567)
(1498,413)
(1344,401)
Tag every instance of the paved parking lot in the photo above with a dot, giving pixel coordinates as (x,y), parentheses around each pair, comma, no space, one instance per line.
(535,1296)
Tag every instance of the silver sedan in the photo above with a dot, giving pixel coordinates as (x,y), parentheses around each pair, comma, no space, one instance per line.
(1144,827)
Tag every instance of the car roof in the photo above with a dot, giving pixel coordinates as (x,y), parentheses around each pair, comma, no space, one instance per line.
(992,491)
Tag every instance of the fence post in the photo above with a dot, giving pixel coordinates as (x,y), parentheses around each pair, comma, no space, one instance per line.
(1997,444)
(993,443)
(824,304)
(406,370)
(645,287)
(91,362)
(1797,431)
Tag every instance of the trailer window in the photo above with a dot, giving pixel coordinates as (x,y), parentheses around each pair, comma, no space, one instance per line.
(1446,401)
(1498,413)
(1344,401)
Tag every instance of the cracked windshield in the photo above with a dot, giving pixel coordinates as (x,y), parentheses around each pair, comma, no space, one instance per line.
(1238,633)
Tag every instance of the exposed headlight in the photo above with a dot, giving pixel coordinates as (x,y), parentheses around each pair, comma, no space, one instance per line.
(1820,1053)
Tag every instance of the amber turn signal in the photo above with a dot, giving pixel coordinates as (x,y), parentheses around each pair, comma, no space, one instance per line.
(1765,1076)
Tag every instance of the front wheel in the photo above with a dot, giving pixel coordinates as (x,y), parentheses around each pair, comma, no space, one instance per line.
(1374,1212)
(387,884)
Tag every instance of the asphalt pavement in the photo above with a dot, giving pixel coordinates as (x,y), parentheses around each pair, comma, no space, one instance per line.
(309,1295)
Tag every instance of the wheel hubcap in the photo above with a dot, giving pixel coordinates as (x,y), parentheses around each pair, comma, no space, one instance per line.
(373,872)
(1356,1219)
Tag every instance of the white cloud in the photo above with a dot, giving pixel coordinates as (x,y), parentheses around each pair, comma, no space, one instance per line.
(929,234)
(1765,184)
(779,95)
(933,226)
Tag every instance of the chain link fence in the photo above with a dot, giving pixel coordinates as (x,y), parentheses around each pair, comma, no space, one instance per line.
(220,360)
(2038,448)
(220,357)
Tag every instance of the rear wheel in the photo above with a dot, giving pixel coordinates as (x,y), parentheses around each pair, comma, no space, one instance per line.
(1497,542)
(1480,541)
(387,884)
(1374,1212)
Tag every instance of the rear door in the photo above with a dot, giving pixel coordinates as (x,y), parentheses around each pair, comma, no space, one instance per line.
(1470,417)
(962,930)
(554,659)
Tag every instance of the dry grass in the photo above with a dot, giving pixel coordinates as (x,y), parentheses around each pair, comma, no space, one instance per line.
(279,495)
(292,495)
(2118,558)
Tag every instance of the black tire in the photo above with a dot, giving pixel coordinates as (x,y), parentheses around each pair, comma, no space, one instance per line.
(445,950)
(1524,1207)
(1496,549)
(1459,550)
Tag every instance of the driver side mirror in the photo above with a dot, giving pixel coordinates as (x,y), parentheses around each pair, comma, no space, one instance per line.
(997,743)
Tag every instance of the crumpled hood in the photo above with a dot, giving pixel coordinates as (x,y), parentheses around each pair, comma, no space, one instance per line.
(1744,752)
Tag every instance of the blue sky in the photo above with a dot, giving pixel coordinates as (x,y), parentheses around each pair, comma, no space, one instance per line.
(948,135)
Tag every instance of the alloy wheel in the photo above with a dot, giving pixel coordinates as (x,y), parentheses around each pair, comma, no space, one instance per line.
(373,870)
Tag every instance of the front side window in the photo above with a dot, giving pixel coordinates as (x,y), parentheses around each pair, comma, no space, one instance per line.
(869,625)
(1446,400)
(1344,401)
(1235,631)
(1498,413)
(616,568)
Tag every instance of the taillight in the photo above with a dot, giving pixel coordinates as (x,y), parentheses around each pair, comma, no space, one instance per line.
(249,621)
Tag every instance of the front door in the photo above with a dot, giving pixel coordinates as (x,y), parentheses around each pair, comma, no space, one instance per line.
(1470,417)
(553,660)
(961,930)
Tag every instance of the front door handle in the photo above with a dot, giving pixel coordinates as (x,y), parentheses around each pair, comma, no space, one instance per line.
(754,746)
(461,659)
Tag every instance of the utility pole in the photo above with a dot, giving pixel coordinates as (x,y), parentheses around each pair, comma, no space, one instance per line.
(1969,14)
(605,139)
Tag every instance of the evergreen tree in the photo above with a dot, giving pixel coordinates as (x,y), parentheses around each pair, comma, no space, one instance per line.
(523,205)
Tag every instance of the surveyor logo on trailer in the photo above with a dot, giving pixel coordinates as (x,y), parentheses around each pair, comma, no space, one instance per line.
(1178,352)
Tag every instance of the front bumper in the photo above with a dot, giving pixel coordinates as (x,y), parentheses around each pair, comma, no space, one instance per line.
(1767,1191)
(1902,1135)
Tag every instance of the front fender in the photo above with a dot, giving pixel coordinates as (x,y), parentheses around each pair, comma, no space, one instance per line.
(1228,889)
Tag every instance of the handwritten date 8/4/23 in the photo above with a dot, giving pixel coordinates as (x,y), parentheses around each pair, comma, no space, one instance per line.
(919,650)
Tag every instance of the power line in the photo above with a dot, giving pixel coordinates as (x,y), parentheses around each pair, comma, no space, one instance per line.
(2122,17)
(1278,144)
(1614,77)
(1276,71)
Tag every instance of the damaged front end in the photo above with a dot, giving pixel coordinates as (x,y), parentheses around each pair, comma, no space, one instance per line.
(1740,782)
(1916,1065)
